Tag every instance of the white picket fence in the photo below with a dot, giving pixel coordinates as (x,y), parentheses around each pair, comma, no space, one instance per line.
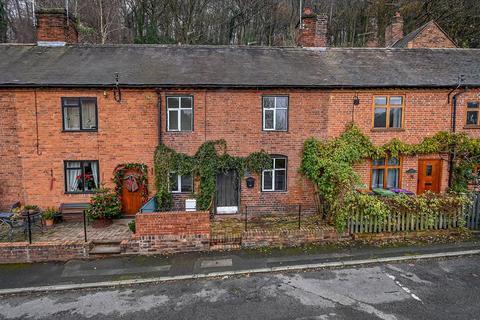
(401,222)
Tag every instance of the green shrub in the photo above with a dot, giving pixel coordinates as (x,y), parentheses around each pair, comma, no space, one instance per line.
(103,205)
(49,213)
(427,206)
(131,226)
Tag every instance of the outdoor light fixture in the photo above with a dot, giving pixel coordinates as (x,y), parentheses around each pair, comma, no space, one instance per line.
(356,100)
(411,171)
(250,182)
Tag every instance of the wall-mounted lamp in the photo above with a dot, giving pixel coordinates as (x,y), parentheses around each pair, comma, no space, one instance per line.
(250,182)
(356,100)
(117,94)
(411,171)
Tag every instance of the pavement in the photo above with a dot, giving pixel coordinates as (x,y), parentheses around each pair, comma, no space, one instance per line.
(425,289)
(107,272)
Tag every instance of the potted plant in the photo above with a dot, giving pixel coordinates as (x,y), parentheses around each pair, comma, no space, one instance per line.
(30,209)
(49,215)
(104,206)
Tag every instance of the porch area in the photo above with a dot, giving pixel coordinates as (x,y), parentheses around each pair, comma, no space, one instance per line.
(72,232)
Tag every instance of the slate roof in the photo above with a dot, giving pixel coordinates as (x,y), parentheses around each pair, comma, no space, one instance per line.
(224,66)
(403,43)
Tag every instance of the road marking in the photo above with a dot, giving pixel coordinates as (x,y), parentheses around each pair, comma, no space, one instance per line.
(335,264)
(414,296)
(216,263)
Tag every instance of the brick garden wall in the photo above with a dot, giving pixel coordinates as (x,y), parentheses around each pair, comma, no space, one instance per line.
(21,252)
(166,232)
(290,238)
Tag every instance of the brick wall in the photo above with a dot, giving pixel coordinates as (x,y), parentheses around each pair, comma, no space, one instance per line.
(128,133)
(432,37)
(11,171)
(163,232)
(54,25)
(290,238)
(21,252)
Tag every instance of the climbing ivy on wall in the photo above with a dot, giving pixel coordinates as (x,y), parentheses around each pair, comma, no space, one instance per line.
(329,164)
(210,159)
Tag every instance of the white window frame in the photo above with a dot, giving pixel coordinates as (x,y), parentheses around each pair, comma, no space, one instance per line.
(179,184)
(275,108)
(179,112)
(273,174)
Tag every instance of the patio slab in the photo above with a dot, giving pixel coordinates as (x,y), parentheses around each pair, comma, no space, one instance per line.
(73,231)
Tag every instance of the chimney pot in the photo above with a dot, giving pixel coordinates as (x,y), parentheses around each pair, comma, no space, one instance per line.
(55,27)
(313,31)
(307,11)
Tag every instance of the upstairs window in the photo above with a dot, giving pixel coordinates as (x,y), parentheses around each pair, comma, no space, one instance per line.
(275,179)
(472,113)
(275,113)
(388,112)
(386,173)
(79,114)
(181,183)
(81,176)
(180,113)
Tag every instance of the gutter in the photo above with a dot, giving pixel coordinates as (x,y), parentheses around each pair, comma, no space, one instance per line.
(226,86)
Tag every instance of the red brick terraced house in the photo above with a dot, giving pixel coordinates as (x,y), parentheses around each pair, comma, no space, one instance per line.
(70,113)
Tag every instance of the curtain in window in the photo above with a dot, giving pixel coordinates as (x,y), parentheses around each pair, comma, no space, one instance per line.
(377,178)
(88,114)
(73,171)
(95,173)
(393,178)
(71,118)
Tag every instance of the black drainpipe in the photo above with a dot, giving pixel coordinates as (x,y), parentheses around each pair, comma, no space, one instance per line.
(451,155)
(159,105)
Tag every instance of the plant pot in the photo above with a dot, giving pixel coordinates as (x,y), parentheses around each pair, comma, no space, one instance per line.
(101,223)
(48,222)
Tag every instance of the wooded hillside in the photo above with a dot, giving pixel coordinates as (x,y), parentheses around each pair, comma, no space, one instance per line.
(240,22)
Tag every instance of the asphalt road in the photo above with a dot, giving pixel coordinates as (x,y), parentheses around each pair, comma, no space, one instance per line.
(435,289)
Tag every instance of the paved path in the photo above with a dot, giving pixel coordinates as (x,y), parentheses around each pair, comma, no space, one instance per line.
(433,289)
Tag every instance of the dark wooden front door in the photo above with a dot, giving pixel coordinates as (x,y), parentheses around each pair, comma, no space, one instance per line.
(429,175)
(227,192)
(131,192)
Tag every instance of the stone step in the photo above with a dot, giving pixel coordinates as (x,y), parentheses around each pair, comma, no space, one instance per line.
(106,250)
(106,242)
(225,247)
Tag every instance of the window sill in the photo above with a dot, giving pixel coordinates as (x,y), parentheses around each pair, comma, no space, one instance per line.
(269,131)
(86,192)
(275,191)
(176,132)
(387,129)
(68,131)
(470,126)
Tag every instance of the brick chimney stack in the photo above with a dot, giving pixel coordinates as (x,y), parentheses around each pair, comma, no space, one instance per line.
(394,30)
(313,31)
(55,27)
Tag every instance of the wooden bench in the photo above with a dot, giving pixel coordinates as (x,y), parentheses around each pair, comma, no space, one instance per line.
(73,212)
